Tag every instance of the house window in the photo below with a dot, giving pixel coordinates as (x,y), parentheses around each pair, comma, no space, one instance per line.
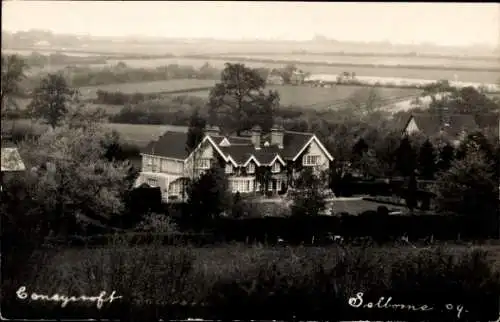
(175,189)
(241,185)
(148,160)
(276,167)
(204,164)
(152,182)
(310,160)
(229,168)
(251,168)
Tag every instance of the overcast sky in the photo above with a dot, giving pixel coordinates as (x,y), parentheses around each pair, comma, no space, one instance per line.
(440,23)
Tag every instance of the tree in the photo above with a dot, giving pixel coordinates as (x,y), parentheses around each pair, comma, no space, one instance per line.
(411,193)
(13,73)
(71,179)
(196,131)
(51,100)
(470,188)
(365,101)
(208,195)
(241,99)
(287,72)
(446,157)
(427,160)
(359,148)
(308,198)
(406,158)
(479,140)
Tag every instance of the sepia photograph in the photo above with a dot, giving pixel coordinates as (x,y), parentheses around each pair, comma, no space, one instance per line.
(253,160)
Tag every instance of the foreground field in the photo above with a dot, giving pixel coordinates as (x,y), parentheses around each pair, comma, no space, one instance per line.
(290,281)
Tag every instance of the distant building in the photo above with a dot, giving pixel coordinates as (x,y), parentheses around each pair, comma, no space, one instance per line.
(456,127)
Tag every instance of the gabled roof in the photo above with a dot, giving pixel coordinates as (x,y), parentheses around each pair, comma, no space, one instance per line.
(11,160)
(173,145)
(293,142)
(431,124)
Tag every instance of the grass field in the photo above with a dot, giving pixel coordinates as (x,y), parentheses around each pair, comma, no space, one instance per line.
(377,60)
(148,87)
(139,134)
(289,95)
(482,76)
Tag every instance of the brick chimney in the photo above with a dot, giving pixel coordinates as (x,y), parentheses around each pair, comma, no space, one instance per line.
(212,130)
(256,132)
(277,133)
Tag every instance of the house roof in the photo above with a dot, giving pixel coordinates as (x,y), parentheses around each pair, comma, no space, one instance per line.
(11,160)
(169,145)
(173,145)
(431,124)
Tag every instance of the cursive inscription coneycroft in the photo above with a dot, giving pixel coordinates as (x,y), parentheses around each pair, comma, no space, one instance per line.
(99,300)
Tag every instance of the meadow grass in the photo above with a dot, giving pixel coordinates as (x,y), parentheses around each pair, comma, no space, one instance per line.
(289,95)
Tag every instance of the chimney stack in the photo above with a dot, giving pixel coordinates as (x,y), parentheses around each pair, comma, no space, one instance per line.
(277,133)
(212,130)
(256,132)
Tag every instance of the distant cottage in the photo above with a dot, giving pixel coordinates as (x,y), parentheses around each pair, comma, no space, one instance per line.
(166,163)
(455,127)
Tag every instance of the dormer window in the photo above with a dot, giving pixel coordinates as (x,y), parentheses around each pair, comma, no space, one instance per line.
(276,167)
(251,168)
(229,168)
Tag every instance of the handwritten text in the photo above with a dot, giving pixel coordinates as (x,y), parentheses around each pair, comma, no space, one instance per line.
(99,300)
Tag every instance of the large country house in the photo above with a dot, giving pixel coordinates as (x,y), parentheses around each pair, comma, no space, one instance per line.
(278,156)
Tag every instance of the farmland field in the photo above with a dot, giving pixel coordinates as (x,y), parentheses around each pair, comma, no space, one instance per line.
(378,60)
(289,95)
(139,134)
(482,76)
(148,87)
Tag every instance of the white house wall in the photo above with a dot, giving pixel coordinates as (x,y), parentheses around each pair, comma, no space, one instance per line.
(412,127)
(314,149)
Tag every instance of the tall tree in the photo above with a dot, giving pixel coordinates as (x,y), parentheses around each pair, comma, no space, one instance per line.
(446,157)
(195,131)
(240,97)
(427,160)
(470,188)
(308,198)
(13,73)
(411,193)
(406,158)
(72,178)
(51,100)
(287,72)
(208,196)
